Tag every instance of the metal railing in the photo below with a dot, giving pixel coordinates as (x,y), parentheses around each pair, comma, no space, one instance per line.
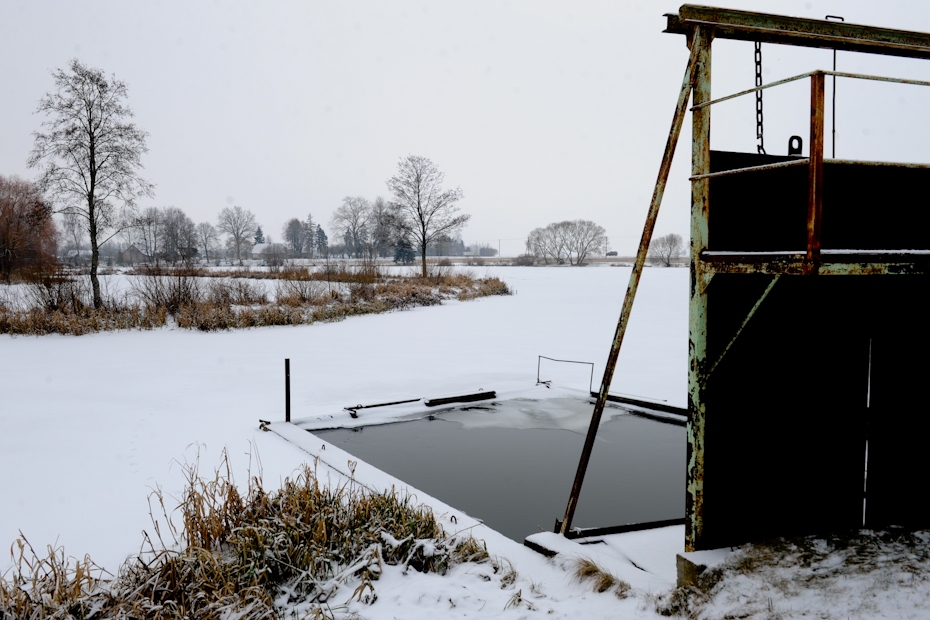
(815,161)
(552,359)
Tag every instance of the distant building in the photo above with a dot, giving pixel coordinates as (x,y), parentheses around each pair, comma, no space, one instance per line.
(78,257)
(258,249)
(132,255)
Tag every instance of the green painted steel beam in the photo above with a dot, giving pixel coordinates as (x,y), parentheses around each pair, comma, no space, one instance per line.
(795,265)
(700,42)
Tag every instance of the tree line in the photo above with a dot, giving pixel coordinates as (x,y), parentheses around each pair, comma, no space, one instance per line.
(89,155)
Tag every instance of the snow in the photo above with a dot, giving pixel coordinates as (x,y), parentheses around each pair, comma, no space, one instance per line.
(92,424)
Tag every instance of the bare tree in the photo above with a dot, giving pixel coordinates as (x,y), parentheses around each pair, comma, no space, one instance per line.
(386,227)
(294,236)
(28,236)
(586,237)
(350,221)
(274,255)
(240,225)
(91,155)
(552,242)
(569,241)
(179,235)
(664,249)
(74,231)
(427,211)
(207,238)
(149,227)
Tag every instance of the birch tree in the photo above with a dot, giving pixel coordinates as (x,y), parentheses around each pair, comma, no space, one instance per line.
(90,155)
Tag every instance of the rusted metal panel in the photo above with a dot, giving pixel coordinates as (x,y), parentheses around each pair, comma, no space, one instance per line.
(802,32)
(565,524)
(697,310)
(767,210)
(815,172)
(784,443)
(749,315)
(898,411)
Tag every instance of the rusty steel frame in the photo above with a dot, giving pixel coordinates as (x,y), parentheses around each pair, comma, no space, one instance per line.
(797,264)
(565,524)
(701,25)
(815,171)
(723,173)
(798,31)
(795,78)
(700,40)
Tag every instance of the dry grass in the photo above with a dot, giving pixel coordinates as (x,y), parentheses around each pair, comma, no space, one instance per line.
(60,303)
(253,556)
(585,570)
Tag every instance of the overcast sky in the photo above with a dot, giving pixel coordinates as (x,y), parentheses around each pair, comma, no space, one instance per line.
(539,111)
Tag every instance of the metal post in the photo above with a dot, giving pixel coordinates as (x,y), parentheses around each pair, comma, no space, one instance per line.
(833,112)
(564,525)
(287,390)
(697,309)
(815,172)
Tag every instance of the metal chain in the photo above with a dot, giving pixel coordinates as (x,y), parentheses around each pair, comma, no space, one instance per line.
(759,128)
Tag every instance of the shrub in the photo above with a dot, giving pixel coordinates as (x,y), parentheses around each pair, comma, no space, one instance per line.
(168,291)
(61,302)
(250,557)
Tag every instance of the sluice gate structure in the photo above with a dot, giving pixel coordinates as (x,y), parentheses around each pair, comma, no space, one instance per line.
(809,334)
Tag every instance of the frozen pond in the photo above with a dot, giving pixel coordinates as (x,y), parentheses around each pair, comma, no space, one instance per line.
(512,463)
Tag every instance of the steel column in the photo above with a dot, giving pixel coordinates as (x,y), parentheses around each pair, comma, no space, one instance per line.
(697,329)
(815,171)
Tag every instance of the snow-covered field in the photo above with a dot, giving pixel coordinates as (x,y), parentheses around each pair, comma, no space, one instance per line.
(91,424)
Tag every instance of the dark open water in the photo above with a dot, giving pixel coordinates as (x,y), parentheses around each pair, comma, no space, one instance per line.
(518,480)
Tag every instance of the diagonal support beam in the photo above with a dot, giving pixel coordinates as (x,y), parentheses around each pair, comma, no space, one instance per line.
(749,316)
(565,524)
